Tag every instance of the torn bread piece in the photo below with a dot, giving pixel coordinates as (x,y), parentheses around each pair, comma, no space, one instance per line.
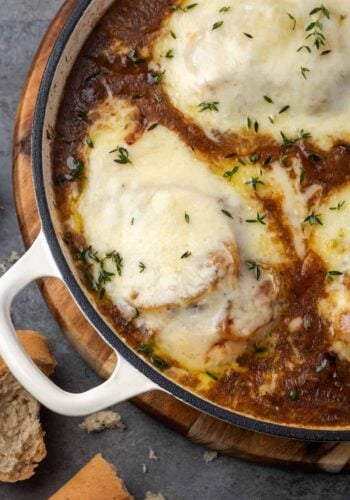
(22,444)
(96,480)
(102,420)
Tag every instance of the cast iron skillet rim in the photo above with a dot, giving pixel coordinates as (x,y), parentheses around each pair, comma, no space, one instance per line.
(244,422)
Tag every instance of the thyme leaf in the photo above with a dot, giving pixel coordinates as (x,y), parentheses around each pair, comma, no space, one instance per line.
(145,348)
(123,155)
(217,25)
(293,19)
(259,219)
(339,206)
(314,219)
(254,182)
(89,142)
(268,99)
(186,255)
(230,173)
(253,266)
(210,106)
(227,213)
(304,71)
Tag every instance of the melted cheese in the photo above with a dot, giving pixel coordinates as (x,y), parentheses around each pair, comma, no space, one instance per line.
(226,66)
(331,241)
(183,235)
(294,202)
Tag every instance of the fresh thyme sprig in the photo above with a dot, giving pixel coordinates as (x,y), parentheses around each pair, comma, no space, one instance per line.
(88,254)
(123,155)
(315,29)
(117,259)
(314,219)
(254,182)
(314,32)
(339,206)
(208,106)
(288,142)
(259,219)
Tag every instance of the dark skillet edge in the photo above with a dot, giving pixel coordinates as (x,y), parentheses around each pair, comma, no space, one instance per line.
(244,422)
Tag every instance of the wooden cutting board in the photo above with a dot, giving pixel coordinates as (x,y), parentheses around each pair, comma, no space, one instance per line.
(195,425)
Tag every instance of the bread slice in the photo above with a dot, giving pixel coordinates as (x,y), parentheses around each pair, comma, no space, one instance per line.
(97,480)
(22,444)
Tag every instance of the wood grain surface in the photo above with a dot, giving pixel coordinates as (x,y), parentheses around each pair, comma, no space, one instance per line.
(197,426)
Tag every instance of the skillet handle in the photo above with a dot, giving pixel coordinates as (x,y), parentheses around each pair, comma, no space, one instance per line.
(124,383)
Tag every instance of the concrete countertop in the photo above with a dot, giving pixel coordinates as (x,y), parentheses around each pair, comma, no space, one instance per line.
(180,473)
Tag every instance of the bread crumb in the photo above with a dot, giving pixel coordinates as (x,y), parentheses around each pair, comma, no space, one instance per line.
(154,496)
(209,456)
(13,257)
(144,468)
(6,263)
(152,455)
(102,420)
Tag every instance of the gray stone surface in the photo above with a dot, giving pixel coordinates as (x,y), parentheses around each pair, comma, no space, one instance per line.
(180,473)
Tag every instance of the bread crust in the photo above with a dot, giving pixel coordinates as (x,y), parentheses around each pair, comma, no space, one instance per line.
(96,480)
(37,347)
